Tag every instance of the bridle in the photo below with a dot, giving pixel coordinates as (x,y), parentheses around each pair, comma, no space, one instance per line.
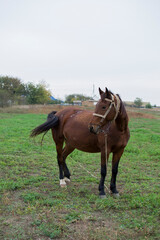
(117,108)
(112,103)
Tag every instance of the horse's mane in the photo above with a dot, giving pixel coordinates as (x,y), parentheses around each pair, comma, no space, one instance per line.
(122,118)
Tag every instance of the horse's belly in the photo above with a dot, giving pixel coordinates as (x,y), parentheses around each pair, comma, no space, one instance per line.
(84,142)
(88,149)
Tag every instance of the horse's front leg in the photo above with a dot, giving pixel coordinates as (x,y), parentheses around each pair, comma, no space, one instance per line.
(103,174)
(115,162)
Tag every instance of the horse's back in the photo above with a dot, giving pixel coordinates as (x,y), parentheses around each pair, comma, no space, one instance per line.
(73,115)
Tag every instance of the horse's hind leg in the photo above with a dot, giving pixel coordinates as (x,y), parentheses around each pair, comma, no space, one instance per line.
(64,174)
(59,148)
(115,162)
(66,151)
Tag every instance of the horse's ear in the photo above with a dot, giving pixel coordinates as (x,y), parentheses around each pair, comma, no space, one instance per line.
(106,92)
(100,92)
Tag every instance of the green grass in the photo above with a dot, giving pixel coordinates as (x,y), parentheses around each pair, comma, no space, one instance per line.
(33,206)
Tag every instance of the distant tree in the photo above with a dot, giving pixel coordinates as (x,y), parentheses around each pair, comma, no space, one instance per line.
(138,102)
(37,94)
(43,95)
(148,105)
(10,90)
(4,98)
(31,93)
(75,97)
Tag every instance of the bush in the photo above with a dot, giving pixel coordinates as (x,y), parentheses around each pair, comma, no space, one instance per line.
(148,105)
(138,102)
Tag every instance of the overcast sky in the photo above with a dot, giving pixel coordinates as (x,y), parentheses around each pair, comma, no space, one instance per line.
(73,44)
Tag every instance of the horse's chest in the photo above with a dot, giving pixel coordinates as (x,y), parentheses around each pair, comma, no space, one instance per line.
(117,141)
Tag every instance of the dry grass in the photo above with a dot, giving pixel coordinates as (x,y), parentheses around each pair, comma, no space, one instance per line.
(140,115)
(45,109)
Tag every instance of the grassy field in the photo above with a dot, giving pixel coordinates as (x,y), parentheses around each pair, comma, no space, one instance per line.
(33,206)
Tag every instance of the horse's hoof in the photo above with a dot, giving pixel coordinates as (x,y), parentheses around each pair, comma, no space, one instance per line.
(67,180)
(62,183)
(115,195)
(102,196)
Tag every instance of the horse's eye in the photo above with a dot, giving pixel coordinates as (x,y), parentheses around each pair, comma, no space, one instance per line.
(103,107)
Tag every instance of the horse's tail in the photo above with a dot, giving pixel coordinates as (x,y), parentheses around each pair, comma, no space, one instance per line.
(52,121)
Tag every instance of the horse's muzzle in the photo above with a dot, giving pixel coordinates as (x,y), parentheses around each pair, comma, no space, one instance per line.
(94,129)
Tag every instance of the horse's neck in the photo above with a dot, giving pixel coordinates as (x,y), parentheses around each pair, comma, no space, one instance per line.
(122,118)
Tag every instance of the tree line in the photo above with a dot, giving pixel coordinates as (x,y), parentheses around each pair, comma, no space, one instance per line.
(76,97)
(13,91)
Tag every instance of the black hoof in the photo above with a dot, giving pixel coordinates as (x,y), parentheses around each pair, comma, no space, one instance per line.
(115,195)
(102,196)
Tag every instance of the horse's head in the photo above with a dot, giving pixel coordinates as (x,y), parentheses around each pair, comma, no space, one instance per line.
(106,110)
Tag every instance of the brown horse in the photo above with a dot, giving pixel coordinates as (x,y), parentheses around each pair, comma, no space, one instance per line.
(105,130)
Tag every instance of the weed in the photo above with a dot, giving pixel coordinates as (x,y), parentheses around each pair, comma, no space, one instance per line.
(50,230)
(73,217)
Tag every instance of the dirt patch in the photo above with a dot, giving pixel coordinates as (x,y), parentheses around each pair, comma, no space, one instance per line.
(140,115)
(100,228)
